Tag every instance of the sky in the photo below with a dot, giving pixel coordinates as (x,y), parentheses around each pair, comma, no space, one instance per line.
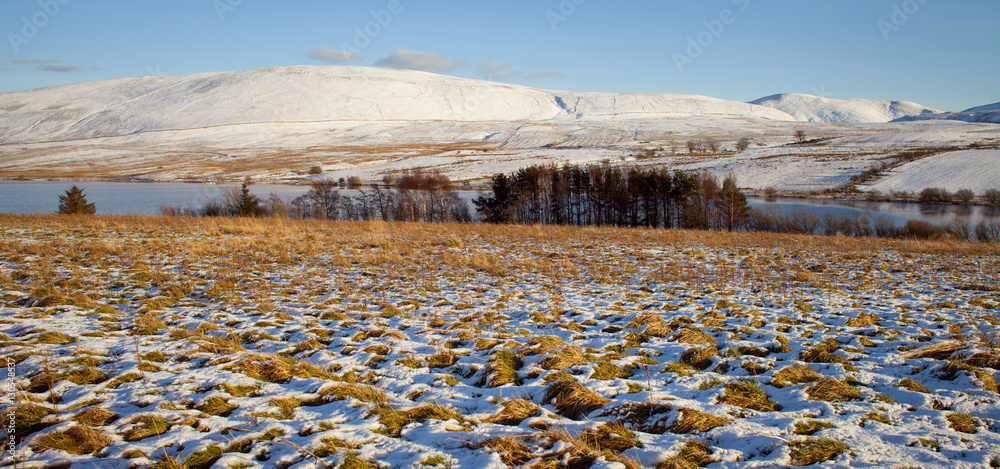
(941,54)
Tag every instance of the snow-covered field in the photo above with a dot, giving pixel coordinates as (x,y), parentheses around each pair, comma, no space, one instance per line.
(278,123)
(256,343)
(976,170)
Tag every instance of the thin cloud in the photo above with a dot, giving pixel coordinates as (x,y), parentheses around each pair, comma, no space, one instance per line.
(59,68)
(35,61)
(543,76)
(423,61)
(327,54)
(496,71)
(542,65)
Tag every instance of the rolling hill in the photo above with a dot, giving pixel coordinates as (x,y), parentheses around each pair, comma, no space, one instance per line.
(278,123)
(808,108)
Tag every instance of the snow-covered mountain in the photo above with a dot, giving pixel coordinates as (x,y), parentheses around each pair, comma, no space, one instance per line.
(988,107)
(809,108)
(315,94)
(279,123)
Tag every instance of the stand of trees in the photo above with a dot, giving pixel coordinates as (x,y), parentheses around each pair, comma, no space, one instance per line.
(614,196)
(419,196)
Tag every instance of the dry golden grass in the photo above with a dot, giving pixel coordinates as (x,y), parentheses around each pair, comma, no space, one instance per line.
(79,439)
(795,374)
(562,358)
(693,421)
(815,450)
(832,390)
(748,395)
(306,262)
(938,351)
(573,399)
(515,411)
(503,368)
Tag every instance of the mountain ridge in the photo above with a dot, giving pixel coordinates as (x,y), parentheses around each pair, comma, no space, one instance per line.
(810,108)
(311,94)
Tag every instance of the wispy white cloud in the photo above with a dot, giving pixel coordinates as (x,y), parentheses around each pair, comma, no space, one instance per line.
(423,61)
(35,61)
(59,68)
(543,76)
(328,54)
(496,71)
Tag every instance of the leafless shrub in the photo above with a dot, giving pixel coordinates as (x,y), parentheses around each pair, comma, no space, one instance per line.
(965,196)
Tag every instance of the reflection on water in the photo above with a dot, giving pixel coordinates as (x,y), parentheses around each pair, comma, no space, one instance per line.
(120,198)
(898,212)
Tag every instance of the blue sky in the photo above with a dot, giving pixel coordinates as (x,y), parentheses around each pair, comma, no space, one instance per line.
(942,54)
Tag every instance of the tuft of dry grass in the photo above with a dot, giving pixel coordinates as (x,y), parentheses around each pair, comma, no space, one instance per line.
(863,320)
(748,395)
(832,390)
(573,399)
(54,338)
(696,421)
(146,426)
(938,351)
(964,423)
(563,357)
(218,406)
(699,357)
(693,454)
(912,385)
(96,417)
(811,427)
(515,411)
(607,371)
(78,440)
(795,374)
(512,450)
(361,392)
(278,369)
(815,450)
(394,420)
(503,368)
(691,335)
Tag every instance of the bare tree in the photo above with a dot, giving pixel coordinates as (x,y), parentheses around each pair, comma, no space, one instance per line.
(743,144)
(800,135)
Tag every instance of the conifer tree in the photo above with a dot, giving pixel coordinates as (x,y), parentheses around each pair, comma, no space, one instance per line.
(75,203)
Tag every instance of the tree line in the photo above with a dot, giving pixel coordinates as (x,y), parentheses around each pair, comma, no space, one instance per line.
(606,195)
(418,197)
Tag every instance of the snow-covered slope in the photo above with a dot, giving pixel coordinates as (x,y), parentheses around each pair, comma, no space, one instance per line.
(976,170)
(313,94)
(808,108)
(988,107)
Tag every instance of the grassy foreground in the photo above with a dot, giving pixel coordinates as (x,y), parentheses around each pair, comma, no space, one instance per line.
(238,343)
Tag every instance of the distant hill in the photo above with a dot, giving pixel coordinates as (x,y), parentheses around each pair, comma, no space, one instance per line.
(809,108)
(315,94)
(988,107)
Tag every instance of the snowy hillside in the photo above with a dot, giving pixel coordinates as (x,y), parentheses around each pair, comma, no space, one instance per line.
(988,107)
(976,170)
(984,116)
(808,108)
(309,95)
(277,124)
